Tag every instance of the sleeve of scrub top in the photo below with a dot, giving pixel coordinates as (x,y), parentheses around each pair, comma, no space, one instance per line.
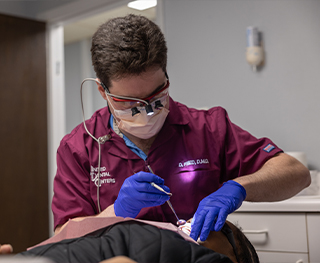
(71,187)
(243,153)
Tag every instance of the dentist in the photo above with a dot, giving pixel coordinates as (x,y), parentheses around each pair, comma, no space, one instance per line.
(209,164)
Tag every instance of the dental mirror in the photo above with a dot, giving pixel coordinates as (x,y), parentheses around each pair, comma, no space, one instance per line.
(181,222)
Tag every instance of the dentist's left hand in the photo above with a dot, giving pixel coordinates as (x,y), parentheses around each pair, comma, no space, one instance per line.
(213,210)
(136,193)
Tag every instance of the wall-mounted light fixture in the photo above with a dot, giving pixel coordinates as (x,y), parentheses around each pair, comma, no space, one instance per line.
(142,4)
(255,53)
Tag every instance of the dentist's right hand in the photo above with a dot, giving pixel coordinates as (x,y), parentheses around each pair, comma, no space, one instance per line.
(136,193)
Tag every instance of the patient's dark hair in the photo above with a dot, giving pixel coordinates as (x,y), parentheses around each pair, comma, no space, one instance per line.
(246,251)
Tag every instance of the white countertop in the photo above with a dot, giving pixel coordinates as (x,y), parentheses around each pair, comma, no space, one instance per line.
(294,204)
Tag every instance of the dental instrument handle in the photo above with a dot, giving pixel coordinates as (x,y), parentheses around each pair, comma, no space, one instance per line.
(149,167)
(157,186)
(160,189)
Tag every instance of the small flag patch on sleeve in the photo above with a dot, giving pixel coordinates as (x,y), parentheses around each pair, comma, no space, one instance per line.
(269,148)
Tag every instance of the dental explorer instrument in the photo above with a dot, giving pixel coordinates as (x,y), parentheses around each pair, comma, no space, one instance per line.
(180,222)
(160,189)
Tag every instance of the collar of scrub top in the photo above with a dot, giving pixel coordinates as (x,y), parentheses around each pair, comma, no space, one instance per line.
(145,101)
(227,231)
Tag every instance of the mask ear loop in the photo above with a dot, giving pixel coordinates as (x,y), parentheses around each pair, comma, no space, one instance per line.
(100,140)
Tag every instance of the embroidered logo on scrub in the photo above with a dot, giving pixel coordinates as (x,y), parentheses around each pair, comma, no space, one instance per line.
(103,173)
(194,162)
(269,148)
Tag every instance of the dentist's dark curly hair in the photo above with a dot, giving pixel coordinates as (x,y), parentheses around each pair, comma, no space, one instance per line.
(126,46)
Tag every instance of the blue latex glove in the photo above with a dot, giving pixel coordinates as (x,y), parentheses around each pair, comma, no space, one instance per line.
(213,210)
(136,193)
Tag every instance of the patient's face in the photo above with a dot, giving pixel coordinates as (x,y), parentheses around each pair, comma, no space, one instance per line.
(216,241)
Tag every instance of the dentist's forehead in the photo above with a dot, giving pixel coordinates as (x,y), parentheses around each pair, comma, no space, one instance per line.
(139,86)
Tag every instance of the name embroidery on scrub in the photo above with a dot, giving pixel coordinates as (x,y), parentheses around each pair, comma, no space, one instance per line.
(193,162)
(103,173)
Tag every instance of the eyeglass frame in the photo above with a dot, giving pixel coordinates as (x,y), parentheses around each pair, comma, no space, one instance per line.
(145,101)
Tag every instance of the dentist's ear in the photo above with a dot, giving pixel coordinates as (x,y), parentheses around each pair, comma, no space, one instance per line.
(101,89)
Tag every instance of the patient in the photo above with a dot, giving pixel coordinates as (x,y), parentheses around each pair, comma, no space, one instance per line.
(229,241)
(232,242)
(138,241)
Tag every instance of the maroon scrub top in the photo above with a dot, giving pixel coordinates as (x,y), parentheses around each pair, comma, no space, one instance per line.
(195,152)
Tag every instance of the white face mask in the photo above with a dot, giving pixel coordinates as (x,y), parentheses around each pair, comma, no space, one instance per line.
(142,126)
